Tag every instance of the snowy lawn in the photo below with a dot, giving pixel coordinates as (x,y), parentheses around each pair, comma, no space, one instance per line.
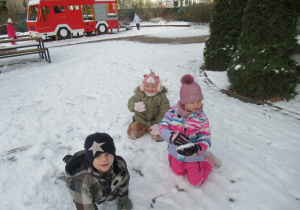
(47,110)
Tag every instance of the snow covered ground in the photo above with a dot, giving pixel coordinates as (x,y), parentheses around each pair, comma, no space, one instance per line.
(47,110)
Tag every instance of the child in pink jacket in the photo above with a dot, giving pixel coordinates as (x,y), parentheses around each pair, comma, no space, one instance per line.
(11,31)
(186,129)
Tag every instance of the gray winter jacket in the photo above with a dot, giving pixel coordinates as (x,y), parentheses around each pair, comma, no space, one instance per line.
(89,187)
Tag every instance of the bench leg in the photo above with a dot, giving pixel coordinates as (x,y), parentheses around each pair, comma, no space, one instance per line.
(47,56)
(41,55)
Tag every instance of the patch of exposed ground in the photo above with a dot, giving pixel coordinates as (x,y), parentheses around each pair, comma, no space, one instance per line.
(158,40)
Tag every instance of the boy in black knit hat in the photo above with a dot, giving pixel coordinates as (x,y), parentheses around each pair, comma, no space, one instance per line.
(97,174)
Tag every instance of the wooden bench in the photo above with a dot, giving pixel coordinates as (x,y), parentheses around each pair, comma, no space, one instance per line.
(25,49)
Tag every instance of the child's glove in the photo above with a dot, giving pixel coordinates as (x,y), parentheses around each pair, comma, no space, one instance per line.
(190,151)
(139,107)
(125,205)
(155,129)
(179,139)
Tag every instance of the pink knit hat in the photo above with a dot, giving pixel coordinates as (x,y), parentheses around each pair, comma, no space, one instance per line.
(151,79)
(190,91)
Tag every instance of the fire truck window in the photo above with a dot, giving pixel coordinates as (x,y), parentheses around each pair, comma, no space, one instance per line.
(87,12)
(32,13)
(58,9)
(74,7)
(46,10)
(44,16)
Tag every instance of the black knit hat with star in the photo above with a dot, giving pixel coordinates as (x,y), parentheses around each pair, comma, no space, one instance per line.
(98,143)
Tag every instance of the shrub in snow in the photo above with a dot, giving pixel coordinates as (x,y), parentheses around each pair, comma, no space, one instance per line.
(198,13)
(266,66)
(225,28)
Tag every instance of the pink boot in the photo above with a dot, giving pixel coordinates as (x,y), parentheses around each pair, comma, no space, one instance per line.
(214,161)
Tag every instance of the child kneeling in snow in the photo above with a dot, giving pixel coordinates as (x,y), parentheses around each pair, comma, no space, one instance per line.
(149,104)
(186,129)
(97,174)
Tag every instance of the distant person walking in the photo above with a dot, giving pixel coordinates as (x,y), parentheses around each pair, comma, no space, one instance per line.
(11,31)
(137,21)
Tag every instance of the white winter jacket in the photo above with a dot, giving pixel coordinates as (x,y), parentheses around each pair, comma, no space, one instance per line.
(137,19)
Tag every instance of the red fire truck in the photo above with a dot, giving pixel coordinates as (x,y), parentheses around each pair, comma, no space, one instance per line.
(62,18)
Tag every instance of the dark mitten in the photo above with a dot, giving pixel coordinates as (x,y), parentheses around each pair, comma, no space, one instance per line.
(190,151)
(179,139)
(125,205)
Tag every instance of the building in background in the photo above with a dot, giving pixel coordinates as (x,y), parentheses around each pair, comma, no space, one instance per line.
(181,3)
(130,4)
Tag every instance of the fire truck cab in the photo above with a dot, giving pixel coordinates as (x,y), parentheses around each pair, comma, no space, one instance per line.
(62,18)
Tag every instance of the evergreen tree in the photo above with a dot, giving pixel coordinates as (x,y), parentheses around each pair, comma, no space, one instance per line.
(264,65)
(225,28)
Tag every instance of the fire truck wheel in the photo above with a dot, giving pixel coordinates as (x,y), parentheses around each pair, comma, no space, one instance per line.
(64,33)
(102,29)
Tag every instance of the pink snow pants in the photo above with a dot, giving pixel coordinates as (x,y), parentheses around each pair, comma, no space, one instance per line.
(196,172)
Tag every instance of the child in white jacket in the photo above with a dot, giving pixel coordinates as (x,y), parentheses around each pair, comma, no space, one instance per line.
(137,21)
